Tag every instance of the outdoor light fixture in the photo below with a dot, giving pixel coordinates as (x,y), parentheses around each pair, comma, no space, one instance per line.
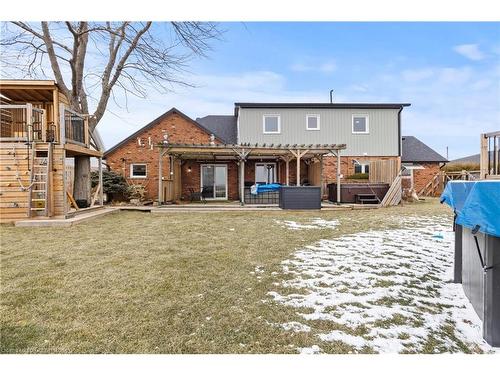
(189,169)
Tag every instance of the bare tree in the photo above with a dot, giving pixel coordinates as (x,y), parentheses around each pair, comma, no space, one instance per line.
(93,62)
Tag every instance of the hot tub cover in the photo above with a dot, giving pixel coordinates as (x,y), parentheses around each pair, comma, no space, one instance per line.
(476,203)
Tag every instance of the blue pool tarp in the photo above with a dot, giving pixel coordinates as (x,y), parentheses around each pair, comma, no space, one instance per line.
(476,203)
(263,188)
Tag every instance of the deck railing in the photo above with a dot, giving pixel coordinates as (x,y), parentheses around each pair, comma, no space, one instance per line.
(76,128)
(23,122)
(490,155)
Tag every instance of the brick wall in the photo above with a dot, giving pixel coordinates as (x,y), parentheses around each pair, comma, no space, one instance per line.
(421,177)
(179,130)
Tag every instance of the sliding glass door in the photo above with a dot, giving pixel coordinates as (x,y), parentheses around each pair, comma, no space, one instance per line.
(265,173)
(214,181)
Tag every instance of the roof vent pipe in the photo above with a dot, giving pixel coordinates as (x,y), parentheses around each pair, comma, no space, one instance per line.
(331,96)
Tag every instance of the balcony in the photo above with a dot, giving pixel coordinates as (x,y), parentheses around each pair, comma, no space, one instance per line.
(26,123)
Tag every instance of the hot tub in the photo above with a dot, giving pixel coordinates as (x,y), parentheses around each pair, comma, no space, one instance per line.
(350,191)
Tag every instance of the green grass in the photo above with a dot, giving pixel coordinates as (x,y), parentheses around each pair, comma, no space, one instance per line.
(134,282)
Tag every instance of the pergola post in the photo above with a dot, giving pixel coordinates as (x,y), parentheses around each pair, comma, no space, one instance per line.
(101,192)
(321,175)
(160,176)
(287,167)
(298,154)
(298,168)
(242,156)
(286,159)
(338,176)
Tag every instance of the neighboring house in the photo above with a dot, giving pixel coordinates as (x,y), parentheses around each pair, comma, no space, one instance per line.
(420,163)
(275,135)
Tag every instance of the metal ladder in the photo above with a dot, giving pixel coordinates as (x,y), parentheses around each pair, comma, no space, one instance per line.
(39,190)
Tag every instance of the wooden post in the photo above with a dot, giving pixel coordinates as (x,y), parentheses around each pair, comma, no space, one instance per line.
(287,166)
(242,157)
(101,191)
(321,175)
(29,122)
(298,168)
(483,159)
(298,154)
(160,176)
(55,115)
(62,125)
(286,159)
(86,135)
(338,177)
(44,125)
(242,181)
(496,141)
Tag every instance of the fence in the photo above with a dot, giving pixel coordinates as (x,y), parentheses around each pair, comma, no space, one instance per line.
(384,171)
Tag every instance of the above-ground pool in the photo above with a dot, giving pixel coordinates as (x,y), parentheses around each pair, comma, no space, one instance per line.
(477,248)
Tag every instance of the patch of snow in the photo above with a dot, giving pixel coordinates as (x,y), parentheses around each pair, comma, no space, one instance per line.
(296,327)
(315,349)
(392,285)
(316,223)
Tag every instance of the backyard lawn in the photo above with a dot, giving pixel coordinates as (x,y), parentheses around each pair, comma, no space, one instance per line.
(237,282)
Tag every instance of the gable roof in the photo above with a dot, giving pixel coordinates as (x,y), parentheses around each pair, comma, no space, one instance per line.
(222,126)
(414,150)
(156,121)
(472,159)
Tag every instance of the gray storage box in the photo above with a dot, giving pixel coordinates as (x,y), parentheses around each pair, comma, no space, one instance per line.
(300,197)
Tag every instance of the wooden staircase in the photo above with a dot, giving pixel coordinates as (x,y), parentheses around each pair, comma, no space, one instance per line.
(394,194)
(367,199)
(41,164)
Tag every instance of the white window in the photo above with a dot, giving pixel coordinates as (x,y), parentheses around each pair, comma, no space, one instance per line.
(312,122)
(271,124)
(361,168)
(360,124)
(138,170)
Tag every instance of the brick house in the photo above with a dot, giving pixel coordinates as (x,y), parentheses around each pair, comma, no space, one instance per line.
(420,163)
(136,158)
(202,153)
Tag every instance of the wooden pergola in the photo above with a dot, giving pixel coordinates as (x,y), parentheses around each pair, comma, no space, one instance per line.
(245,151)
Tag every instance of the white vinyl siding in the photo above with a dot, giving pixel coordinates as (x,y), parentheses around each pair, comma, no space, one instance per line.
(271,124)
(312,122)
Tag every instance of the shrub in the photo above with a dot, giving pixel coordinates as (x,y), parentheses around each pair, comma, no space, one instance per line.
(114,184)
(136,191)
(461,167)
(358,176)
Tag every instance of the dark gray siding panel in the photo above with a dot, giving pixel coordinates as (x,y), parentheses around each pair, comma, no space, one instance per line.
(300,197)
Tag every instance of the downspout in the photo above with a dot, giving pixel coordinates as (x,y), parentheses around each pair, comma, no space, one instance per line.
(400,152)
(237,110)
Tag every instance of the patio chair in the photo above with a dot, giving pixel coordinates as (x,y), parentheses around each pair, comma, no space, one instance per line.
(200,195)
